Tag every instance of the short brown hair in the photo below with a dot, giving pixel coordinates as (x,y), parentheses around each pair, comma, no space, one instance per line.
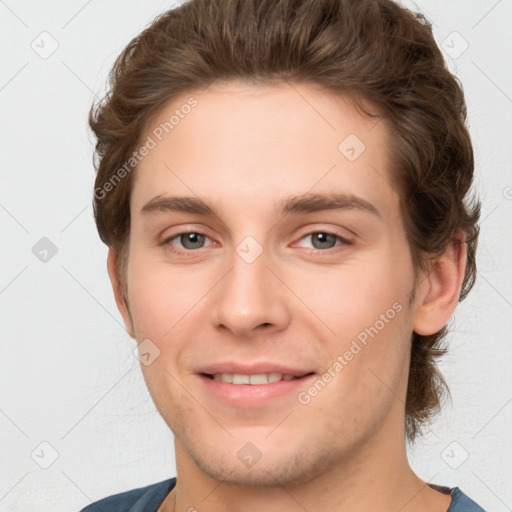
(373,52)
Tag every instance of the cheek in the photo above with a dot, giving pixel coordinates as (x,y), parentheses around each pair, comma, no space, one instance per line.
(366,308)
(159,295)
(166,303)
(160,301)
(354,297)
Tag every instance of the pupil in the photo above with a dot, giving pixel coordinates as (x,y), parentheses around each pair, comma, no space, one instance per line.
(192,240)
(323,238)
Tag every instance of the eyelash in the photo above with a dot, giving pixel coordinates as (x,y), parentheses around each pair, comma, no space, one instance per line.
(173,249)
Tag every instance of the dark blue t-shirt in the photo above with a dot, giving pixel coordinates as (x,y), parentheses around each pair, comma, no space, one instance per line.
(149,498)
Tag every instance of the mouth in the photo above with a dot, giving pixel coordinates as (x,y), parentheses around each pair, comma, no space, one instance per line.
(253,379)
(254,390)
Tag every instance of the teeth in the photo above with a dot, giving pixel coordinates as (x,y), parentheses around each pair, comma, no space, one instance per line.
(240,379)
(261,378)
(257,379)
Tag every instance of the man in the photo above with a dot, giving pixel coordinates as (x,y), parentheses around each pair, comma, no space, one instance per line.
(283,187)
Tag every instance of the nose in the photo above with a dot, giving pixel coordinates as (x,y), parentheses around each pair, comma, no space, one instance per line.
(251,298)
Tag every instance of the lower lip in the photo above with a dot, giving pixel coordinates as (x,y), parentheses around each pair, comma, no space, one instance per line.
(252,396)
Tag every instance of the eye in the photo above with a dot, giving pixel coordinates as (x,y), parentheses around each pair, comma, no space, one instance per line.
(189,241)
(322,240)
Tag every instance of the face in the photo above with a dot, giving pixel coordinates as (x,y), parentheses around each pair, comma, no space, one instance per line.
(288,259)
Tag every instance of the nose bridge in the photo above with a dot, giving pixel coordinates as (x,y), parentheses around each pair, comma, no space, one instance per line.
(249,295)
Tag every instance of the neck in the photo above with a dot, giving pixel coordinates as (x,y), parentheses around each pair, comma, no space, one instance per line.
(374,476)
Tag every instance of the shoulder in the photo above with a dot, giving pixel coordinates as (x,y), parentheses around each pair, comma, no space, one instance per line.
(463,503)
(141,499)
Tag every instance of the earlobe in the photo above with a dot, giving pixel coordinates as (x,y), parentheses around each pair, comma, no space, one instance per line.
(440,290)
(112,268)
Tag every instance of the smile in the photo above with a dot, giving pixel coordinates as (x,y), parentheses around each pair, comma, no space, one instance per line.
(257,379)
(254,390)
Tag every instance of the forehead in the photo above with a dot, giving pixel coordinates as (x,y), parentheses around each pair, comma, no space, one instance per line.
(259,143)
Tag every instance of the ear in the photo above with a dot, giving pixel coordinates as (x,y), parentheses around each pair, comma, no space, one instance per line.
(118,294)
(440,290)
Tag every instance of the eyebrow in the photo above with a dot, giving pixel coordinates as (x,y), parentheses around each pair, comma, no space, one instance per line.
(306,203)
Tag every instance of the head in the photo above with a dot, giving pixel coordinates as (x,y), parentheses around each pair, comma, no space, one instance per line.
(244,104)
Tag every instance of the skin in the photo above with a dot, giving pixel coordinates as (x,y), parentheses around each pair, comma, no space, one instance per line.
(243,149)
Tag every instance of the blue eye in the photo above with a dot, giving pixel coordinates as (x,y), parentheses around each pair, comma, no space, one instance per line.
(192,240)
(323,239)
(189,240)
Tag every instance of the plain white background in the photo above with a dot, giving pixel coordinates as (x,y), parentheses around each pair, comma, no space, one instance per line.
(68,376)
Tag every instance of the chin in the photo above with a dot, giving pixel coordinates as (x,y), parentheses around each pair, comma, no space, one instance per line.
(292,466)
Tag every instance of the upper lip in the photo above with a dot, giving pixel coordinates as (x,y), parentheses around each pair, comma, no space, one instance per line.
(252,369)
